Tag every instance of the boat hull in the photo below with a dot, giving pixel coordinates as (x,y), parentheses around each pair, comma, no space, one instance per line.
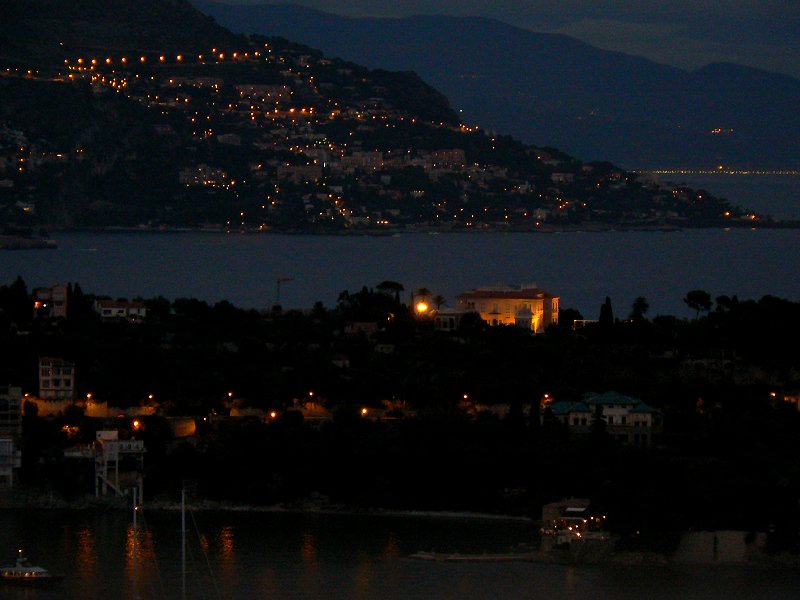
(31,581)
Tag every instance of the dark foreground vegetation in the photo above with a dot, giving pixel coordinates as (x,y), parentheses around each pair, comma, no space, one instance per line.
(726,457)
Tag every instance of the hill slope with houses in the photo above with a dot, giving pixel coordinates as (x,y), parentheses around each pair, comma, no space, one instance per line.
(109,120)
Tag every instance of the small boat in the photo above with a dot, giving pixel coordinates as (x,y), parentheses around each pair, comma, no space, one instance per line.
(23,572)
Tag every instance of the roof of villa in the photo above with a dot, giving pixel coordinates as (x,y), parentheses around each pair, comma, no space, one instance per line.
(508,292)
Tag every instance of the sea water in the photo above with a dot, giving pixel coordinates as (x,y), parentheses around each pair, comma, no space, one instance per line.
(285,556)
(581,268)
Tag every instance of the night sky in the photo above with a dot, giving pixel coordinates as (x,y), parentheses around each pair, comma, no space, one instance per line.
(683,33)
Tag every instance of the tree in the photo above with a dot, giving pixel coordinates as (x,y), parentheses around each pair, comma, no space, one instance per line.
(16,302)
(639,309)
(606,314)
(699,300)
(599,431)
(391,287)
(727,303)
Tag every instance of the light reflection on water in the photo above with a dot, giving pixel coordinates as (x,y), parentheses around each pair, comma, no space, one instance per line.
(290,557)
(308,549)
(86,562)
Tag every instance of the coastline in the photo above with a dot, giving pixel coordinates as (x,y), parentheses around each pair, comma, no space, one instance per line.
(14,242)
(412,229)
(16,499)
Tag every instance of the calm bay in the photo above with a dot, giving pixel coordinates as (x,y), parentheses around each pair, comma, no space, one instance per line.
(583,268)
(328,556)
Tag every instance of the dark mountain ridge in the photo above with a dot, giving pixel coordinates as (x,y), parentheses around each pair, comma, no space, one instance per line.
(554,90)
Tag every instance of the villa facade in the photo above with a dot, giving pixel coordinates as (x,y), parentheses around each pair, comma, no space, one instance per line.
(526,306)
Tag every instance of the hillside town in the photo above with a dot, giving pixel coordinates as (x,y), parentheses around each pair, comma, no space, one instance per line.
(277,137)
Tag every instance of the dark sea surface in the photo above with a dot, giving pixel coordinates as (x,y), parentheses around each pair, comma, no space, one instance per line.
(582,268)
(306,557)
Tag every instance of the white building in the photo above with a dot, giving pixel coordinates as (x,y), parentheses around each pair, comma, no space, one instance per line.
(115,309)
(626,419)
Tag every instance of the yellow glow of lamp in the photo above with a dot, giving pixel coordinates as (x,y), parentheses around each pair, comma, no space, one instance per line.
(422,307)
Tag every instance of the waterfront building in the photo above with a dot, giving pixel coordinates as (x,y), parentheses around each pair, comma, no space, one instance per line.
(526,306)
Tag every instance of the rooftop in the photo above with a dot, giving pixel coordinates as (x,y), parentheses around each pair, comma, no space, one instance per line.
(509,292)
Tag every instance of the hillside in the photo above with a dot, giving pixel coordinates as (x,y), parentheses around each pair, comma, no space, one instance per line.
(141,129)
(555,90)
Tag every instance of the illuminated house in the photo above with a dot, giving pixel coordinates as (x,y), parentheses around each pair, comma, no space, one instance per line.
(526,306)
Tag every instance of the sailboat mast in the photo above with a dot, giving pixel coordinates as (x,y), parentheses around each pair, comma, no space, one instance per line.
(134,492)
(183,543)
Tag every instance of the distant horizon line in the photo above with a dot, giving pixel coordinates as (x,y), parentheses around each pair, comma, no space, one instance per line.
(787,172)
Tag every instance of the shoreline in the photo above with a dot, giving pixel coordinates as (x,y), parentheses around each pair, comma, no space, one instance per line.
(413,230)
(15,501)
(16,242)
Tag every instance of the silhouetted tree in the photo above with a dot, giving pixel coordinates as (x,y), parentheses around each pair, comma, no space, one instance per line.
(606,314)
(727,302)
(567,318)
(16,302)
(639,309)
(699,300)
(391,287)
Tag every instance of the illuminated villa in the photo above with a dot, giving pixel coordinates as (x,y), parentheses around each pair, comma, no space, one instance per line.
(525,306)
